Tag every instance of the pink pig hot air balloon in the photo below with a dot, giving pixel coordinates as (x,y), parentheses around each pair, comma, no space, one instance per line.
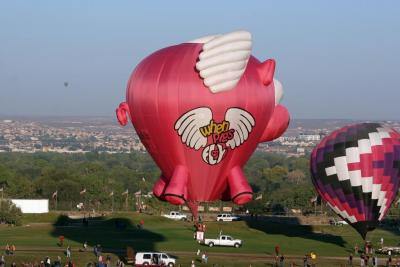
(201,108)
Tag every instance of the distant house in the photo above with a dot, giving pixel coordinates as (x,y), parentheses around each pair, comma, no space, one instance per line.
(32,205)
(309,137)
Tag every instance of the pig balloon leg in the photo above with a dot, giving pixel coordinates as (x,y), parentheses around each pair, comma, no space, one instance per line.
(159,187)
(240,190)
(176,190)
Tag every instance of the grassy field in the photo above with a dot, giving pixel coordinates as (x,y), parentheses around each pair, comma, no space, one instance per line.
(38,238)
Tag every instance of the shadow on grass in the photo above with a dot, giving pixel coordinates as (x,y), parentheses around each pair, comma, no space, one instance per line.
(114,235)
(291,228)
(391,225)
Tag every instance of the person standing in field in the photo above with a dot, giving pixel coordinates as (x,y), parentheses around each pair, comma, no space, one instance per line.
(281,261)
(47,262)
(141,224)
(366,259)
(68,252)
(375,261)
(277,250)
(350,261)
(58,262)
(2,261)
(305,261)
(203,257)
(61,240)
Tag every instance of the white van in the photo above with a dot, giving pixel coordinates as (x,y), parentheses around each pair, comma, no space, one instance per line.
(154,259)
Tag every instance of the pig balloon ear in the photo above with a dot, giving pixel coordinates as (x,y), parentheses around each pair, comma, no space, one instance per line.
(266,71)
(121,113)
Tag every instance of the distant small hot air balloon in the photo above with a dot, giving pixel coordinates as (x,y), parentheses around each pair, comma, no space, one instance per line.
(356,171)
(65,84)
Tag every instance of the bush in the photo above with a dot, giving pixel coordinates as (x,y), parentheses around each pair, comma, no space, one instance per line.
(9,213)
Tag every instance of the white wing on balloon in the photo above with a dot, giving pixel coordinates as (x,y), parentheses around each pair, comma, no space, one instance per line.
(189,124)
(223,59)
(242,122)
(278,91)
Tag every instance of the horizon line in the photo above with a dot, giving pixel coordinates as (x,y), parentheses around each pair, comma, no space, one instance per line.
(5,116)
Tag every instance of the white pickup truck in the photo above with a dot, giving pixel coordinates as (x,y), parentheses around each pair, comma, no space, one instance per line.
(227,217)
(223,240)
(175,215)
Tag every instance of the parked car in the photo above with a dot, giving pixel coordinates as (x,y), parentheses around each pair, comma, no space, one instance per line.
(226,217)
(154,259)
(385,250)
(337,222)
(176,215)
(223,240)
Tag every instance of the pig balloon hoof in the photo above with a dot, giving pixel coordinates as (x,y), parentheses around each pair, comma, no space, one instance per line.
(242,198)
(240,190)
(174,199)
(177,187)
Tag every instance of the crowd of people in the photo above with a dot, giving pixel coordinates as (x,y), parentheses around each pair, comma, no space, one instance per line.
(101,260)
(46,262)
(309,259)
(201,257)
(368,256)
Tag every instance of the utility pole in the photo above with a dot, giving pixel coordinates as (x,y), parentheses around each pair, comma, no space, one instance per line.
(321,206)
(2,195)
(56,201)
(112,200)
(315,208)
(112,203)
(126,201)
(126,194)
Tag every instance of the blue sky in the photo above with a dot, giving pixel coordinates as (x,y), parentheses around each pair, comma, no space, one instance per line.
(336,59)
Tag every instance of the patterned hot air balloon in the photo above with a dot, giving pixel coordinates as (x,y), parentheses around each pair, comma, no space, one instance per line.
(356,171)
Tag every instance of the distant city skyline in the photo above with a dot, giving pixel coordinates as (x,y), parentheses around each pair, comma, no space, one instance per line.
(104,135)
(336,60)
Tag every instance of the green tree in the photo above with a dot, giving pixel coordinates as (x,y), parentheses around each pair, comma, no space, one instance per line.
(9,213)
(296,176)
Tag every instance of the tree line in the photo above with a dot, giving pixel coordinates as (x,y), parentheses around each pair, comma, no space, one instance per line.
(280,183)
(38,175)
